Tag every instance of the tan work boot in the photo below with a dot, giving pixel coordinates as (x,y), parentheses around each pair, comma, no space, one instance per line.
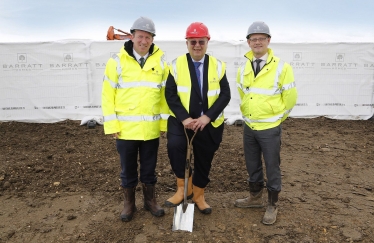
(150,203)
(129,204)
(271,210)
(199,200)
(270,215)
(179,194)
(253,201)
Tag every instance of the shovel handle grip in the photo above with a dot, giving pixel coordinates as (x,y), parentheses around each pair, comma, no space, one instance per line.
(189,145)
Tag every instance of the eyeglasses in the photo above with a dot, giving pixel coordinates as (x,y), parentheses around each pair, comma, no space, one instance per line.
(201,42)
(262,39)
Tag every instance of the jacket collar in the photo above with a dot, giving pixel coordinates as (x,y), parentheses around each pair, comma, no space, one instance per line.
(249,55)
(129,48)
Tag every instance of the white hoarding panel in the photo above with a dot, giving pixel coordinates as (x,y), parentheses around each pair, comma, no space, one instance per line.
(54,81)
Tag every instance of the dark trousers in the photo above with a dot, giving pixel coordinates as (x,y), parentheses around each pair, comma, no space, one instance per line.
(128,151)
(266,143)
(203,152)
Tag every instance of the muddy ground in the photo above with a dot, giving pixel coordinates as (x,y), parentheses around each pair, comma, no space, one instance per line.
(60,183)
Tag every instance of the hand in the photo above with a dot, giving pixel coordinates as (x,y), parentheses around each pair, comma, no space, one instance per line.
(114,135)
(189,123)
(200,123)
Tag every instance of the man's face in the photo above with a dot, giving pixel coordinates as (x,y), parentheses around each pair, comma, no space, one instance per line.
(197,47)
(142,41)
(259,44)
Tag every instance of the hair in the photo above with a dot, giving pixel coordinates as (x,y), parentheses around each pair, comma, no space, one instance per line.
(133,31)
(249,36)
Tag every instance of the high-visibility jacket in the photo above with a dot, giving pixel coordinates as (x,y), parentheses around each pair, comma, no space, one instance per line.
(181,73)
(268,98)
(133,98)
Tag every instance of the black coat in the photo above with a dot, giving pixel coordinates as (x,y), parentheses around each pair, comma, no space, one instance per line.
(197,103)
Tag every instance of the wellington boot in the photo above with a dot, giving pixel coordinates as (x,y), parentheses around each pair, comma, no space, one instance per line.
(253,201)
(270,215)
(129,204)
(199,199)
(179,194)
(150,203)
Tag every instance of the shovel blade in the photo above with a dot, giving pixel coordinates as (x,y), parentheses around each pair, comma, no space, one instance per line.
(183,221)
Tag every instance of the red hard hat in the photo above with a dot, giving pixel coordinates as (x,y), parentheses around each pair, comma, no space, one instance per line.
(196,30)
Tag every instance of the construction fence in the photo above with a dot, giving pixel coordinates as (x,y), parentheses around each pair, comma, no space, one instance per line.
(47,82)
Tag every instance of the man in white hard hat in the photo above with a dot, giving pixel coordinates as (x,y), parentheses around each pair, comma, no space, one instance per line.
(135,112)
(268,93)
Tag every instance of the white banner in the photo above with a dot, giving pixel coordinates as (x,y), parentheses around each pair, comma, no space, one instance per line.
(54,81)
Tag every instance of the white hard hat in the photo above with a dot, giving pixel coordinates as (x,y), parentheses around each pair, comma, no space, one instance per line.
(145,24)
(258,27)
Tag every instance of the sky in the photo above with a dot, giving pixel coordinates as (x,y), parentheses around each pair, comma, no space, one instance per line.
(295,21)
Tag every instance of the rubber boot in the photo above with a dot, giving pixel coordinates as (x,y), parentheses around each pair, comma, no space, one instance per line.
(199,200)
(129,204)
(271,210)
(255,197)
(150,203)
(179,194)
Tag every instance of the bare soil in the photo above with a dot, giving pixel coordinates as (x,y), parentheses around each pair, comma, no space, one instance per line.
(59,182)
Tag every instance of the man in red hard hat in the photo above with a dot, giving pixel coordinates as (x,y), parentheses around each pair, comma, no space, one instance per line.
(197,91)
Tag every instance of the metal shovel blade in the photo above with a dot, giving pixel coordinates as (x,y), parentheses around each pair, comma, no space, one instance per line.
(183,213)
(183,221)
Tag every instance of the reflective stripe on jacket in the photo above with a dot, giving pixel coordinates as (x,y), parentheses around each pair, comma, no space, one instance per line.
(216,70)
(268,98)
(133,98)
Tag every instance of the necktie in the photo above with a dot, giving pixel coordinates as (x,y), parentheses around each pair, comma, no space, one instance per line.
(197,65)
(257,66)
(141,61)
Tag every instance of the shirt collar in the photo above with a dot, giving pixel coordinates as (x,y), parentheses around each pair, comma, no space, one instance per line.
(202,60)
(137,56)
(263,58)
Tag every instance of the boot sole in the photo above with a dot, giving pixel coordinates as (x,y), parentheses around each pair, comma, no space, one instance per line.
(172,205)
(249,206)
(127,218)
(269,223)
(157,214)
(204,211)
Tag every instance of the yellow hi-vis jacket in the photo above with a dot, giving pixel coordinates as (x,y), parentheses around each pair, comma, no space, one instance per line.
(181,73)
(268,98)
(133,98)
